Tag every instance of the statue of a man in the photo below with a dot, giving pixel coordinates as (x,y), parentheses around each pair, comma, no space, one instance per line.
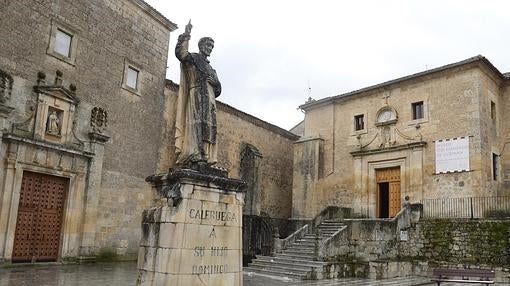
(53,124)
(195,134)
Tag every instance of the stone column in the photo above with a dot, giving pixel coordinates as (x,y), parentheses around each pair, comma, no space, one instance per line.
(87,248)
(6,193)
(194,235)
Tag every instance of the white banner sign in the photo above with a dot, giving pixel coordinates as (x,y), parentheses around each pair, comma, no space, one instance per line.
(452,155)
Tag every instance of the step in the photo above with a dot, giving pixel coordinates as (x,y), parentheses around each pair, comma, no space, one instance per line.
(331,225)
(291,255)
(305,248)
(292,260)
(299,251)
(305,243)
(282,267)
(304,265)
(275,272)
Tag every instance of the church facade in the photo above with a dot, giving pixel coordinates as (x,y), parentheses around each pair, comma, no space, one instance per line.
(437,134)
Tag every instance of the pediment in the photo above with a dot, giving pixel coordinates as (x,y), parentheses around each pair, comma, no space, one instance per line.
(58,92)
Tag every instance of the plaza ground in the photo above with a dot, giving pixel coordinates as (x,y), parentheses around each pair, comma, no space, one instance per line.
(124,274)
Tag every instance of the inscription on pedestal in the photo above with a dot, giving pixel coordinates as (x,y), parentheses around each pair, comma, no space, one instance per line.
(201,214)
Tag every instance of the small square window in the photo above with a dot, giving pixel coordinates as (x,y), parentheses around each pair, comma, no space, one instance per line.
(132,78)
(359,122)
(63,43)
(418,111)
(493,111)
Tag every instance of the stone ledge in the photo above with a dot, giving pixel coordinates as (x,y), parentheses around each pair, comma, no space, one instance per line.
(178,176)
(388,149)
(63,148)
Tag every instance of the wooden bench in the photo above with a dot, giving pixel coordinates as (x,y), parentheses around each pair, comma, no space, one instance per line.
(481,276)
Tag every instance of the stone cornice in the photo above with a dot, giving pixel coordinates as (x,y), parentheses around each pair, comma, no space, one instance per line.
(155,14)
(193,177)
(99,137)
(66,149)
(388,149)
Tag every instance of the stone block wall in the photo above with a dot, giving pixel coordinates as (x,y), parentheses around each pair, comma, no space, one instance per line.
(236,129)
(505,153)
(493,134)
(463,241)
(440,242)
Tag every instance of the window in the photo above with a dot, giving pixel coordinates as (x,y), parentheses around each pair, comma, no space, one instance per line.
(359,122)
(63,43)
(132,78)
(495,166)
(418,111)
(493,112)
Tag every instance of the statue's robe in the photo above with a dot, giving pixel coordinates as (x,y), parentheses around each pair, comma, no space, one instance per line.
(195,124)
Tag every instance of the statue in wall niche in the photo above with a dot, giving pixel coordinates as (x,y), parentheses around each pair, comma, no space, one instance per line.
(53,124)
(195,126)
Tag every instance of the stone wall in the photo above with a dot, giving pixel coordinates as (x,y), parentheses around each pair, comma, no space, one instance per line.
(424,245)
(505,150)
(236,131)
(493,133)
(463,241)
(107,35)
(439,241)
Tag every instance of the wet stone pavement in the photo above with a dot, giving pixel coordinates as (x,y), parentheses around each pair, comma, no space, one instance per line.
(124,274)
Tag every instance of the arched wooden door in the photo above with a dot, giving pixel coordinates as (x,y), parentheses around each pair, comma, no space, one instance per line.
(39,221)
(388,192)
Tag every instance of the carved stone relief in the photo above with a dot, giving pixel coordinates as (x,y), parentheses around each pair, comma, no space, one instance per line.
(386,132)
(6,83)
(98,119)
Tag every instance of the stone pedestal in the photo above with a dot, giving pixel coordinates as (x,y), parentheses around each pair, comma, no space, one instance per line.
(194,234)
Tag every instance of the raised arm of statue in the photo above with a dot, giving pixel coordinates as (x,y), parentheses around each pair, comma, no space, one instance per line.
(181,49)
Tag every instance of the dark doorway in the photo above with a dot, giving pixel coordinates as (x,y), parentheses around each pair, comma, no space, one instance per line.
(384,200)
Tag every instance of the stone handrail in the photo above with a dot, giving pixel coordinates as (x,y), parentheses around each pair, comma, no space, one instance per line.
(327,213)
(327,242)
(298,234)
(401,221)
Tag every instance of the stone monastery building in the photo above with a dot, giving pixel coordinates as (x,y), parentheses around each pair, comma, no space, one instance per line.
(86,114)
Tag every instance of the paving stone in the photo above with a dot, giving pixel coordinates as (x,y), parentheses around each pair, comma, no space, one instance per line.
(125,274)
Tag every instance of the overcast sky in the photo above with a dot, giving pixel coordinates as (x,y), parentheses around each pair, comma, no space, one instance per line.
(269,53)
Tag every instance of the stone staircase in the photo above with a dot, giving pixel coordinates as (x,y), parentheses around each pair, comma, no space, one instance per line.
(298,259)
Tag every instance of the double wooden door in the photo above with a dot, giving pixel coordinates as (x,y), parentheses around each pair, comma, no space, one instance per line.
(388,192)
(39,221)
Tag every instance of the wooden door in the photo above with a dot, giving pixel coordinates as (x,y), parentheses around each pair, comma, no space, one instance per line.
(39,221)
(394,198)
(392,177)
